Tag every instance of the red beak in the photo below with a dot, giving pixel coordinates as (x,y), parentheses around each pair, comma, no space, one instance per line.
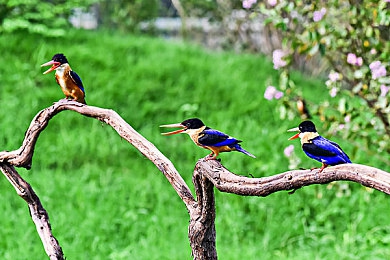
(294,130)
(294,136)
(52,62)
(176,131)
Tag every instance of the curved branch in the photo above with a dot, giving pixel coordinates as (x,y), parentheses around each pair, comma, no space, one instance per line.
(23,156)
(226,181)
(206,175)
(37,212)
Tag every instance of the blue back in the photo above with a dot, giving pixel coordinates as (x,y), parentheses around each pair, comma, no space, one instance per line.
(216,138)
(325,151)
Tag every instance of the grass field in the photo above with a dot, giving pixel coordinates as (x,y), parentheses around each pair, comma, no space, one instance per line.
(106,201)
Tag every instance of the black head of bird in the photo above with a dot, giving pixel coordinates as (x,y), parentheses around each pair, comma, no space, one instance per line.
(186,125)
(57,60)
(304,127)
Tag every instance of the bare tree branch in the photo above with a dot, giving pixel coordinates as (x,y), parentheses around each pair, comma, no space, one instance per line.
(37,212)
(226,181)
(23,156)
(207,174)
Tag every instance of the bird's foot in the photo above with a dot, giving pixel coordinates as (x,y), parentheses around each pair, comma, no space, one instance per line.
(324,165)
(211,157)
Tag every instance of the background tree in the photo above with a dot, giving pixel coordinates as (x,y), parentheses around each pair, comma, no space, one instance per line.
(351,41)
(42,17)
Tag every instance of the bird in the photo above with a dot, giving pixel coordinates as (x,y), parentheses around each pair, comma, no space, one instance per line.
(207,138)
(68,80)
(318,147)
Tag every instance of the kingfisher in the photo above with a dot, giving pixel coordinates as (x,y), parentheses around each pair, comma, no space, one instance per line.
(68,80)
(318,147)
(207,138)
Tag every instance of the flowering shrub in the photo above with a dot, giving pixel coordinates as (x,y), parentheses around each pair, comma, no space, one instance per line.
(353,40)
(272,93)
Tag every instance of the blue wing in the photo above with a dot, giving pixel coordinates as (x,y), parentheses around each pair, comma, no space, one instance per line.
(323,150)
(76,79)
(211,137)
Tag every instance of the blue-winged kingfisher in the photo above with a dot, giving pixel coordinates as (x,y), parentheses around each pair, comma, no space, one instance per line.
(318,147)
(205,137)
(68,80)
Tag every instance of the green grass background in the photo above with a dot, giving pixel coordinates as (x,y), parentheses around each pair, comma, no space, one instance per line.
(106,201)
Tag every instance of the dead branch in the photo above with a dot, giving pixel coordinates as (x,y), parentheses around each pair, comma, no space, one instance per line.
(207,174)
(23,156)
(226,181)
(37,212)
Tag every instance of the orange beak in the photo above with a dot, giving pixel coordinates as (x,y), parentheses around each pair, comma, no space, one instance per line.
(183,128)
(294,130)
(55,64)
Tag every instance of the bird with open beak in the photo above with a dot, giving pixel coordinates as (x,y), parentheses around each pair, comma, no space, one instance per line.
(68,80)
(318,147)
(207,138)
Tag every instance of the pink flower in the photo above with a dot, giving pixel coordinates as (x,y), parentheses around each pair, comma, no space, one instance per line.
(277,59)
(334,76)
(248,3)
(375,65)
(359,61)
(269,92)
(354,60)
(384,90)
(278,95)
(351,58)
(333,92)
(288,151)
(318,15)
(272,2)
(347,118)
(377,69)
(272,93)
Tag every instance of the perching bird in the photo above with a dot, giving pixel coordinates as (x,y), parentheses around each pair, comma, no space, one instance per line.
(207,138)
(318,147)
(68,80)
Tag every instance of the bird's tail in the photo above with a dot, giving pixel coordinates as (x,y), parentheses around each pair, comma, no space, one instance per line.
(240,149)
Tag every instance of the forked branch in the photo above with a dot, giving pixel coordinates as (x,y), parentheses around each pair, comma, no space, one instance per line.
(207,174)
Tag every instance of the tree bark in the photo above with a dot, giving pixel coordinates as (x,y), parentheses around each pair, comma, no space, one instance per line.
(226,181)
(201,231)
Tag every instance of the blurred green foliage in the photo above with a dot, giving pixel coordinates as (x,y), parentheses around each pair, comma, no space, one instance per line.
(125,15)
(51,18)
(48,18)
